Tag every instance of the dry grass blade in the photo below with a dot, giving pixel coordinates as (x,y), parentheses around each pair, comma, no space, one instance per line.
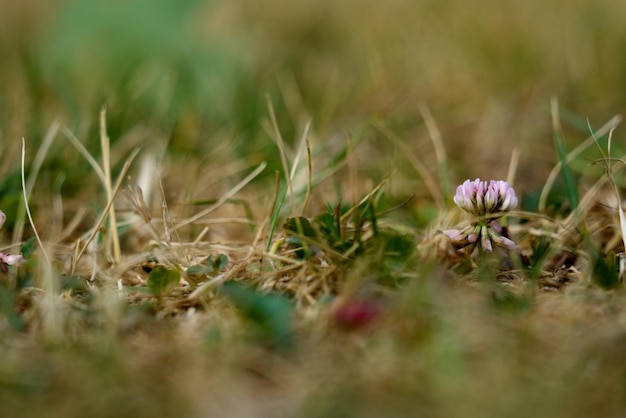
(568,178)
(282,148)
(587,201)
(27,206)
(440,149)
(223,199)
(309,183)
(134,194)
(207,286)
(418,165)
(34,171)
(105,145)
(609,175)
(105,212)
(296,161)
(72,225)
(83,151)
(367,197)
(510,175)
(277,202)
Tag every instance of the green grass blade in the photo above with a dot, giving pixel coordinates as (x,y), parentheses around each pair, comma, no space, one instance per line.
(568,177)
(280,200)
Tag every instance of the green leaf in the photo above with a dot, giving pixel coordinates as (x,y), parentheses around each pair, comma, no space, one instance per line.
(198,270)
(218,263)
(300,226)
(398,250)
(162,280)
(330,229)
(271,313)
(301,235)
(28,248)
(213,265)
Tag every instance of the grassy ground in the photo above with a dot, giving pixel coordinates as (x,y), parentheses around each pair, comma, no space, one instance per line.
(236,208)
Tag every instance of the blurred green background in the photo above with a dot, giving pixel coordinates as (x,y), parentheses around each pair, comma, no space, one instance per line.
(196,72)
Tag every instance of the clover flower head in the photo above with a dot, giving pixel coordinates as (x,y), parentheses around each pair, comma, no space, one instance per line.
(482,198)
(485,197)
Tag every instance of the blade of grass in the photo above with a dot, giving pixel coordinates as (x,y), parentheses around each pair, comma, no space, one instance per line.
(367,197)
(105,145)
(440,149)
(105,212)
(223,199)
(337,162)
(289,173)
(352,169)
(568,177)
(608,168)
(296,161)
(83,151)
(240,202)
(418,165)
(279,200)
(309,182)
(27,206)
(570,157)
(510,176)
(281,148)
(34,171)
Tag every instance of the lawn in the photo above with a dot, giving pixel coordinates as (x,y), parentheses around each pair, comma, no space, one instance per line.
(284,209)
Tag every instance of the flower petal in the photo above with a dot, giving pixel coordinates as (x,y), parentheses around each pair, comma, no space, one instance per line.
(481,197)
(506,243)
(485,240)
(11,259)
